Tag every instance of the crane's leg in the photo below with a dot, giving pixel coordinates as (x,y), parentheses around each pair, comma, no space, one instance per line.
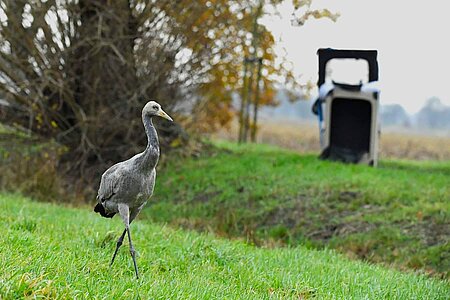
(133,215)
(124,212)
(119,243)
(133,253)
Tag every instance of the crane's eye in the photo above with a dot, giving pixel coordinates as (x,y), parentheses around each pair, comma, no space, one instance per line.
(155,107)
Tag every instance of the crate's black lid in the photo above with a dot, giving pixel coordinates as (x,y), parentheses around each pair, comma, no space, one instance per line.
(326,54)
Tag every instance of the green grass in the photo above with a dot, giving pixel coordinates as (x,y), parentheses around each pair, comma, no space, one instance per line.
(397,214)
(54,252)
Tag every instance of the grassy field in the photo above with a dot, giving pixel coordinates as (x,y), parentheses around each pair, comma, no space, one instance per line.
(397,214)
(53,252)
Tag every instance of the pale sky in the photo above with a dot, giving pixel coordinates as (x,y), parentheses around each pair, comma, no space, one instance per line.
(411,38)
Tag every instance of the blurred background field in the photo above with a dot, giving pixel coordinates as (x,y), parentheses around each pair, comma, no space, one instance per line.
(397,143)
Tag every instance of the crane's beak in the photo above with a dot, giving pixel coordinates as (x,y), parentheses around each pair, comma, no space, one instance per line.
(162,114)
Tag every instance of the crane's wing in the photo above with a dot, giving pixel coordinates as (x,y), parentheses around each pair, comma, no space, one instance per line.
(109,183)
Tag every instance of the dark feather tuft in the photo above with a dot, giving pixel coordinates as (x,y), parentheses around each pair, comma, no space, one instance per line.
(101,210)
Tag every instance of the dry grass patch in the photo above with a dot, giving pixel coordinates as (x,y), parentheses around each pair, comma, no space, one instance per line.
(304,137)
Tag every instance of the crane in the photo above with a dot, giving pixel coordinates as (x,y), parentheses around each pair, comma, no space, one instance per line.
(126,186)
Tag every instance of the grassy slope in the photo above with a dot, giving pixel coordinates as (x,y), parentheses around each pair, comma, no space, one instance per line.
(56,252)
(398,213)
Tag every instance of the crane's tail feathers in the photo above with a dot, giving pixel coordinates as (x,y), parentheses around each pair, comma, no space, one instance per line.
(101,210)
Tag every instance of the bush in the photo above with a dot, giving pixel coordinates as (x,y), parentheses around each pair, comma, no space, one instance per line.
(30,166)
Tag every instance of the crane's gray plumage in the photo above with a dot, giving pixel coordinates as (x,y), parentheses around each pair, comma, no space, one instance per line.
(126,186)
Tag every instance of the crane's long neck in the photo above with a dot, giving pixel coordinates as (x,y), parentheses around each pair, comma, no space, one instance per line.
(151,154)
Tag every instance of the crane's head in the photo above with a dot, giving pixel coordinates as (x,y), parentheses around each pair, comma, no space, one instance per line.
(152,108)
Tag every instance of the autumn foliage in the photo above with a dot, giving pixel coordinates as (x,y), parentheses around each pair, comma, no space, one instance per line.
(78,72)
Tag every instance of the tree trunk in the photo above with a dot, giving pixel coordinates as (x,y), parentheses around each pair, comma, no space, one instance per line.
(256,102)
(105,81)
(243,103)
(248,102)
